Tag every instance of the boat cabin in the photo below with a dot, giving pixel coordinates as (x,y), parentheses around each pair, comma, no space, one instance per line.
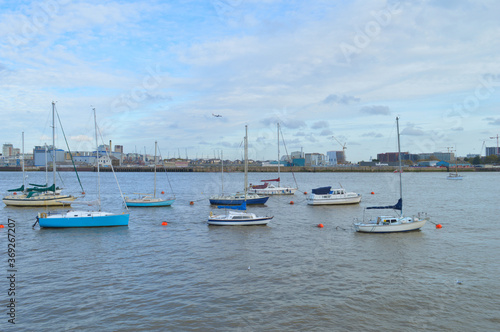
(386,220)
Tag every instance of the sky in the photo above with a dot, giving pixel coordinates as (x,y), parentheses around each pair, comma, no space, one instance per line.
(332,73)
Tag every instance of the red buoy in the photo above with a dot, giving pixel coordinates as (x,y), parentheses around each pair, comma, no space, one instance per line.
(191,203)
(291,203)
(15,193)
(305,192)
(320,225)
(372,193)
(439,226)
(2,226)
(162,192)
(164,223)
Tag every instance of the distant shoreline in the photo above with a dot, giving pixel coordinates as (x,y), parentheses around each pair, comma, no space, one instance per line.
(258,169)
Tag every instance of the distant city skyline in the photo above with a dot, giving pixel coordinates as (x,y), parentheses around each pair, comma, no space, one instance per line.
(190,75)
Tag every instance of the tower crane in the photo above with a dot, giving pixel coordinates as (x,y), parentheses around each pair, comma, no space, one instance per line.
(343,147)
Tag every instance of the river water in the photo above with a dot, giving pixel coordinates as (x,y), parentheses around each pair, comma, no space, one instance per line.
(287,276)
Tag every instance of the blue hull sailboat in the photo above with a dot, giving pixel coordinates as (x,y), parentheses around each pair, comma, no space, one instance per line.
(237,218)
(148,200)
(84,218)
(239,197)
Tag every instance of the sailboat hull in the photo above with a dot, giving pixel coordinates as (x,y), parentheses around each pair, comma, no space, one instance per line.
(82,219)
(273,191)
(41,200)
(238,201)
(232,218)
(148,203)
(381,228)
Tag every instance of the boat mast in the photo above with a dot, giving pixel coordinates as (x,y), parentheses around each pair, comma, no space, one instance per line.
(154,193)
(23,164)
(54,144)
(279,180)
(46,166)
(222,170)
(97,162)
(246,161)
(400,172)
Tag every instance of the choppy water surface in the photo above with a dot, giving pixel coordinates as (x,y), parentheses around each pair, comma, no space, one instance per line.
(287,276)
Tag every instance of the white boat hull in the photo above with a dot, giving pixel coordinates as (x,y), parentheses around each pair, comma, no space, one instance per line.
(373,227)
(333,199)
(273,191)
(40,200)
(238,219)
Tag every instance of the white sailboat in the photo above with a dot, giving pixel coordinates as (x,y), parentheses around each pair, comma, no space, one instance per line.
(392,224)
(39,195)
(148,200)
(237,218)
(455,175)
(85,218)
(269,188)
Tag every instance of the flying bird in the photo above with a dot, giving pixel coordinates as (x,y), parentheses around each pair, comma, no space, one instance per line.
(217,115)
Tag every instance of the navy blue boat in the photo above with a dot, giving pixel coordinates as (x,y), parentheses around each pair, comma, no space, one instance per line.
(238,199)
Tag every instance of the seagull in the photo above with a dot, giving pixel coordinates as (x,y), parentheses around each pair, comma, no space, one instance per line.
(459,282)
(249,268)
(217,115)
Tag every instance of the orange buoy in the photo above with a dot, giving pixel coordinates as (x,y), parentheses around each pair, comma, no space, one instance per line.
(372,193)
(291,203)
(164,223)
(439,226)
(191,203)
(2,226)
(305,192)
(320,225)
(163,193)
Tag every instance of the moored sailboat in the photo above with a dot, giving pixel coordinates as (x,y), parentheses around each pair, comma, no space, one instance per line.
(148,200)
(392,224)
(269,188)
(237,218)
(85,218)
(239,197)
(39,195)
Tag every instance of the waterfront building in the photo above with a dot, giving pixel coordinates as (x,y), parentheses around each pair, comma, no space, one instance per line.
(445,156)
(39,155)
(491,151)
(7,150)
(335,157)
(315,159)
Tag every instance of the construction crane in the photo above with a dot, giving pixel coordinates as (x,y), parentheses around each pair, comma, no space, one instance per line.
(343,147)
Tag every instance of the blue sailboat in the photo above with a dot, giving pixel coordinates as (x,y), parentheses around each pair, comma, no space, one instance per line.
(148,200)
(84,218)
(239,197)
